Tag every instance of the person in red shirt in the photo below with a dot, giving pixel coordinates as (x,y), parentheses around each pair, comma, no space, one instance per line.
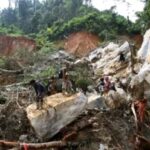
(107,84)
(140,110)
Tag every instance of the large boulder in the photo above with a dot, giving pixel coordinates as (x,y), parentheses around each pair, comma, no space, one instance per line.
(58,111)
(144,51)
(95,101)
(140,83)
(115,99)
(109,62)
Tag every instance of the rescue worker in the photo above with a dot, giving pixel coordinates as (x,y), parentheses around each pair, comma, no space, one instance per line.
(40,92)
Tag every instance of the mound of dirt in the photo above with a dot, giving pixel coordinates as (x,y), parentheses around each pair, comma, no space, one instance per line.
(81,43)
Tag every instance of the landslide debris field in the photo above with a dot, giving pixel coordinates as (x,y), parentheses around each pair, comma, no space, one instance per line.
(89,121)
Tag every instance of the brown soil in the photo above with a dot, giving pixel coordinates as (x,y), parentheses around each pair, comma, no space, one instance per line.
(81,43)
(138,39)
(9,44)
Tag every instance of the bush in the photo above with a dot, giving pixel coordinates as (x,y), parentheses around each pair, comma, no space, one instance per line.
(83,84)
(50,71)
(98,23)
(49,47)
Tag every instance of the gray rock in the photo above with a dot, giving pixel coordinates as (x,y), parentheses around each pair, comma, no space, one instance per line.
(49,121)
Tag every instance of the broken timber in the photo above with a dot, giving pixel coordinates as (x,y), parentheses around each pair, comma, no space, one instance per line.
(21,146)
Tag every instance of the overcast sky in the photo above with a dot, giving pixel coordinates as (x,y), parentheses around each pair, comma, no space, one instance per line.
(123,7)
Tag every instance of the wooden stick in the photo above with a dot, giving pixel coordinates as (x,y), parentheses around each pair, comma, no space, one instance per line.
(37,145)
(11,71)
(135,116)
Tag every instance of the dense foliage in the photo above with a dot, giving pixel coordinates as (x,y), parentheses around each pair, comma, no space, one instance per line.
(144,17)
(57,18)
(33,15)
(106,24)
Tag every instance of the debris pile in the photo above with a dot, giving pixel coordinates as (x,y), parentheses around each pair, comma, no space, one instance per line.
(113,112)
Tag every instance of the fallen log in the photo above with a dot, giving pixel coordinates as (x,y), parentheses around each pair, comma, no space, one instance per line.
(11,71)
(36,146)
(76,128)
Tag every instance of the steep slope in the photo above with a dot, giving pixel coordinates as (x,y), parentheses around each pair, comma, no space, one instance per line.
(9,44)
(81,43)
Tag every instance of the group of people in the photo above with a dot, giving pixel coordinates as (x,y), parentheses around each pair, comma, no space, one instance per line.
(61,83)
(105,85)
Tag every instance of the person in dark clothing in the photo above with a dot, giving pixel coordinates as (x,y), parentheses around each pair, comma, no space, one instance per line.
(101,86)
(122,57)
(40,92)
(62,73)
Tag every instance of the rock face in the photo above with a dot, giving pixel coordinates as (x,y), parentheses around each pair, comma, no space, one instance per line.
(9,44)
(107,59)
(140,83)
(115,99)
(48,121)
(144,51)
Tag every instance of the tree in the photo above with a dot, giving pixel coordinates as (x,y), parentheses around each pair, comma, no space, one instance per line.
(144,17)
(8,17)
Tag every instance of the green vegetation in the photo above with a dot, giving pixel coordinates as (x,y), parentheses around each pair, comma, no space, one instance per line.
(144,17)
(83,83)
(11,30)
(48,72)
(106,24)
(56,19)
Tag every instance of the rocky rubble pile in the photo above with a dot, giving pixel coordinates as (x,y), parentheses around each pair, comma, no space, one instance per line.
(113,127)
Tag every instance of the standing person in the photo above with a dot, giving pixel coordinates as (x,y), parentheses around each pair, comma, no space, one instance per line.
(107,84)
(67,85)
(62,73)
(140,110)
(122,57)
(101,86)
(40,92)
(64,70)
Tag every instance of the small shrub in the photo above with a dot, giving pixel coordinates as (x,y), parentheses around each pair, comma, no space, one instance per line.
(83,83)
(50,71)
